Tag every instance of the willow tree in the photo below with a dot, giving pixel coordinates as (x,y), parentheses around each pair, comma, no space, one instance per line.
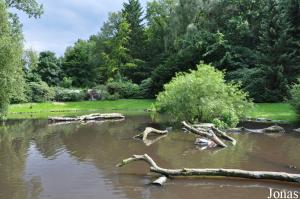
(11,81)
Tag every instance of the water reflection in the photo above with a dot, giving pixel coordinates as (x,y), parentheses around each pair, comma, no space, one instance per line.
(38,160)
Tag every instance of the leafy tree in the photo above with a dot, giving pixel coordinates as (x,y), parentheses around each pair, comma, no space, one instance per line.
(295,97)
(31,7)
(11,81)
(204,96)
(48,68)
(132,12)
(30,63)
(77,64)
(292,13)
(276,55)
(104,45)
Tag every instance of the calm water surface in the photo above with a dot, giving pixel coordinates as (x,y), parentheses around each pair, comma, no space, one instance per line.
(38,160)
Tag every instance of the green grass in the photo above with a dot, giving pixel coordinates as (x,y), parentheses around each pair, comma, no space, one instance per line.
(43,110)
(274,111)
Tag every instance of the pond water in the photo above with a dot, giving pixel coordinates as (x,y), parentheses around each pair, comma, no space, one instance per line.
(38,160)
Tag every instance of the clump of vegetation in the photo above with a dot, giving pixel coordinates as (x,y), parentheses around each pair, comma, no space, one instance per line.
(69,95)
(40,92)
(203,95)
(295,97)
(124,89)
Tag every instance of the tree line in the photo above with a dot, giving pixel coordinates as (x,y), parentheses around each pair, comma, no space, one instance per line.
(257,43)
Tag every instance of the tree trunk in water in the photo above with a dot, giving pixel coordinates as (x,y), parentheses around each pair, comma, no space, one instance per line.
(235,173)
(208,134)
(94,116)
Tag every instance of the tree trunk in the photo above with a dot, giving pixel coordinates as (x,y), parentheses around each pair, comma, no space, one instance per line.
(208,134)
(235,173)
(94,116)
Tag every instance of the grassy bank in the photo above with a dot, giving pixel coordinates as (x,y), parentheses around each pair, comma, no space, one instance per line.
(275,111)
(43,110)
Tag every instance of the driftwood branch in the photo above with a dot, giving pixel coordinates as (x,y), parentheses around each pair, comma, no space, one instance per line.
(205,133)
(94,116)
(194,172)
(149,130)
(224,135)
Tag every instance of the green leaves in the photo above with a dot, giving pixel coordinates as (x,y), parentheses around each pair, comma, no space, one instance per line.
(202,95)
(11,79)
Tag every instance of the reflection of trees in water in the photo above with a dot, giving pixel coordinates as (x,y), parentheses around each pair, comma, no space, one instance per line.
(15,140)
(104,144)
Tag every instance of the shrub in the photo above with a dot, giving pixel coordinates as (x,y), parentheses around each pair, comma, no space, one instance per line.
(125,89)
(39,92)
(69,95)
(66,82)
(295,97)
(202,95)
(145,89)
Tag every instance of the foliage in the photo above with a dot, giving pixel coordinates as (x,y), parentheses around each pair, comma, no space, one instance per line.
(40,92)
(48,68)
(202,95)
(31,7)
(276,56)
(69,95)
(124,89)
(77,64)
(11,74)
(66,82)
(145,89)
(295,97)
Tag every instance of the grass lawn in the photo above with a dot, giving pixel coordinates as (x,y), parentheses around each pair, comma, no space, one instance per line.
(275,111)
(43,110)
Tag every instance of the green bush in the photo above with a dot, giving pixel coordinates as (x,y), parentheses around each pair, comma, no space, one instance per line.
(69,95)
(145,89)
(125,89)
(295,97)
(39,92)
(202,95)
(66,82)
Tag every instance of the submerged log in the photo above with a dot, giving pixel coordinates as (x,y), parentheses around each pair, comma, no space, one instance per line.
(160,181)
(205,143)
(205,133)
(297,130)
(272,129)
(194,172)
(94,116)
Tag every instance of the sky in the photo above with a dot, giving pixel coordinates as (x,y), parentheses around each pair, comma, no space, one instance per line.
(66,21)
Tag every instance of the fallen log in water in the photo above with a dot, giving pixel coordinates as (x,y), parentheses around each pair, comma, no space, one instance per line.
(209,134)
(94,116)
(268,130)
(148,131)
(190,172)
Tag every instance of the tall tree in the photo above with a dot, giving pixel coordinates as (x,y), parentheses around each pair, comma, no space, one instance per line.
(77,64)
(133,13)
(276,54)
(292,13)
(11,81)
(48,68)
